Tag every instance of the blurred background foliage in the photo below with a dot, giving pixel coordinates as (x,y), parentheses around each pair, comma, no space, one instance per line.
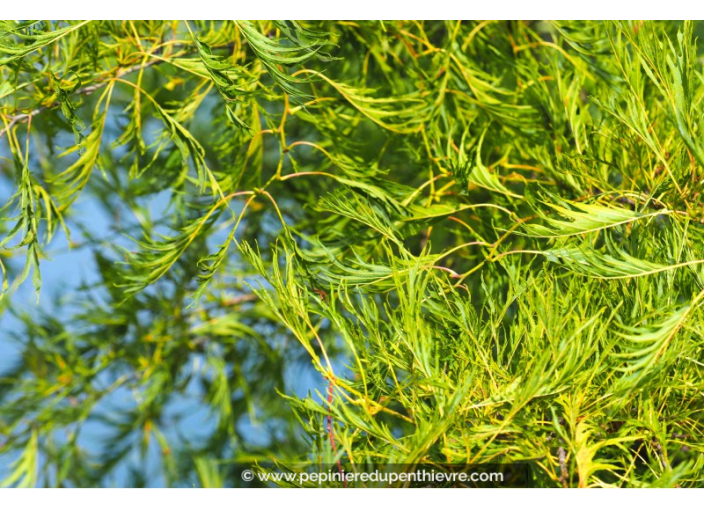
(367,242)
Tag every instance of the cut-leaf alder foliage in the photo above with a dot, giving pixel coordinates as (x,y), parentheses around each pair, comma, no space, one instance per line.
(360,242)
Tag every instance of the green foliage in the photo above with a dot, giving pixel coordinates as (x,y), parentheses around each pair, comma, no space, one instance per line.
(375,243)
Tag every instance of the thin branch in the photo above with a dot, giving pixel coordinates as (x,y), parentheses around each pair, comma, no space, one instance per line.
(85,91)
(561,457)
